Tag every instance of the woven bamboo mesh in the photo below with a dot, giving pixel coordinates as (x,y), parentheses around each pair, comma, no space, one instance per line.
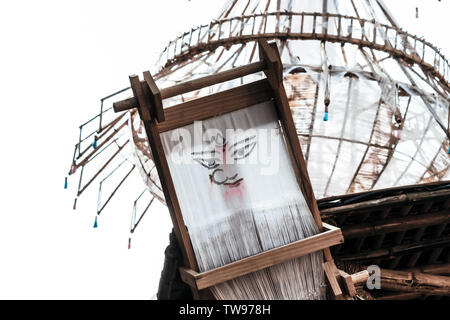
(370,101)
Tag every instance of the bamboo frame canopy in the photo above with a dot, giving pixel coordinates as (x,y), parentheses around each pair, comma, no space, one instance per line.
(406,76)
(383,91)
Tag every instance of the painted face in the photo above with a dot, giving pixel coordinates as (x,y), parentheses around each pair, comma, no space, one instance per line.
(219,157)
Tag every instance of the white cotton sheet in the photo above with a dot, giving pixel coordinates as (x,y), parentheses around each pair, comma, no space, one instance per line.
(247,205)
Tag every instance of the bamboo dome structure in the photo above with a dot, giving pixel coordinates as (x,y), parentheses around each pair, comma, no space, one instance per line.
(370,101)
(386,90)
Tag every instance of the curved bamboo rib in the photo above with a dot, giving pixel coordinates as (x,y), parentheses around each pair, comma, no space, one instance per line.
(400,43)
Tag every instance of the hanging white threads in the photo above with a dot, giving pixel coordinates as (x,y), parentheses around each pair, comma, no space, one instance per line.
(242,212)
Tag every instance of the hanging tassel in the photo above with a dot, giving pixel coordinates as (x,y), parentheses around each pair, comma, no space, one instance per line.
(95,222)
(75,204)
(449,150)
(129,243)
(65,183)
(94,145)
(325,116)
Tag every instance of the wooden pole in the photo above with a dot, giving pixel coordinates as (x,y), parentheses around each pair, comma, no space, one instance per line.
(395,225)
(437,269)
(397,250)
(361,207)
(416,282)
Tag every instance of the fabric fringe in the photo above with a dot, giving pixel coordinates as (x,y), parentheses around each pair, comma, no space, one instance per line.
(249,232)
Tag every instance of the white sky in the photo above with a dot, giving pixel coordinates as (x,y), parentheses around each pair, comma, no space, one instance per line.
(57,59)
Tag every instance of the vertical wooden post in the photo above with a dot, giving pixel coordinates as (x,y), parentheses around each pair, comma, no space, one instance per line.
(143,94)
(274,73)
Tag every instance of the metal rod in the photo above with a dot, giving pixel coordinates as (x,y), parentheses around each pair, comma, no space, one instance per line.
(114,191)
(102,168)
(142,215)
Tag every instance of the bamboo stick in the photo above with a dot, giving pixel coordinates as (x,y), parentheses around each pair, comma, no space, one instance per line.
(361,207)
(398,250)
(397,224)
(436,269)
(416,282)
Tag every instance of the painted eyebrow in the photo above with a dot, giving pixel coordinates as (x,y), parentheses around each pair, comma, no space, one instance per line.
(246,140)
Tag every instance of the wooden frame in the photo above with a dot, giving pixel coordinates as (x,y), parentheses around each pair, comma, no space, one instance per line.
(332,236)
(148,100)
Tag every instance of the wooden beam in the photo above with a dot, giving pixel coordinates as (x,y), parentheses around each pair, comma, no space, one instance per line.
(416,282)
(155,97)
(213,79)
(401,296)
(399,250)
(274,67)
(397,200)
(396,224)
(220,103)
(264,259)
(125,104)
(162,167)
(274,73)
(348,283)
(330,273)
(437,269)
(360,277)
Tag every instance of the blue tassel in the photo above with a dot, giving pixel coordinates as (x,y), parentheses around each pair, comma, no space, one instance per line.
(449,150)
(94,145)
(65,183)
(325,117)
(95,222)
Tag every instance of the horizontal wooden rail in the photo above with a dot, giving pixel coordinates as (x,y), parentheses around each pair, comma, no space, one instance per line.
(407,281)
(332,236)
(396,224)
(210,106)
(438,269)
(396,251)
(212,79)
(197,84)
(125,104)
(386,38)
(396,200)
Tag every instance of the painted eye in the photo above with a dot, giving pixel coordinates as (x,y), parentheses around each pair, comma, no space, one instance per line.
(244,151)
(207,163)
(207,159)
